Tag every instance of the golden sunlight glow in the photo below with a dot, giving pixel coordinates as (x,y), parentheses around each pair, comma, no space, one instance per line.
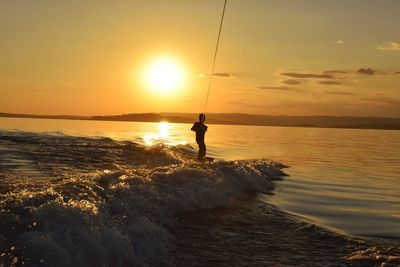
(164,75)
(164,129)
(163,136)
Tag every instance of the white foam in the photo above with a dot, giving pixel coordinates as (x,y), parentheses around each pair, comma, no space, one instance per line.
(118,216)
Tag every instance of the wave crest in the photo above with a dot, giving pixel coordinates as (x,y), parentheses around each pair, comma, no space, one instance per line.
(118,216)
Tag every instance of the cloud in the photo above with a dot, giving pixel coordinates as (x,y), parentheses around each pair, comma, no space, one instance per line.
(307,75)
(339,42)
(366,71)
(217,74)
(290,82)
(391,46)
(329,82)
(384,100)
(338,93)
(335,72)
(281,88)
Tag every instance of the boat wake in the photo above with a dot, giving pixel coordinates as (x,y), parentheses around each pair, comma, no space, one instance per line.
(95,201)
(75,201)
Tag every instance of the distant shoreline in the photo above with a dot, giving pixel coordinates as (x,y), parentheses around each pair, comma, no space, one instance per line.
(346,122)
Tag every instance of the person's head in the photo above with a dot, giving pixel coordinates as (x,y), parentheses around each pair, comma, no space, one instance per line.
(202,117)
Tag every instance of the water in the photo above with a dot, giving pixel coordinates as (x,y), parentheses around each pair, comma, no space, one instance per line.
(127,191)
(346,179)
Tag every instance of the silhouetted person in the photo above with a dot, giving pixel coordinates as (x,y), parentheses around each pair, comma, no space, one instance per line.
(200,128)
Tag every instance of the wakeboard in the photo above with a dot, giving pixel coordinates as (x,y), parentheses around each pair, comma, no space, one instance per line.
(208,159)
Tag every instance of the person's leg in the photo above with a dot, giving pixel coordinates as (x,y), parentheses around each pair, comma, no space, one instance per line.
(202,151)
(198,153)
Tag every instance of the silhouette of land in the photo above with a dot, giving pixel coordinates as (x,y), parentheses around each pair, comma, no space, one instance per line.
(240,119)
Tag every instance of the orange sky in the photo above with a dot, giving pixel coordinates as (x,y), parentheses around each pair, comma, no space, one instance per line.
(279,57)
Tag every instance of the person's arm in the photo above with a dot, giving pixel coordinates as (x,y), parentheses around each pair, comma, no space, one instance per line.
(194,127)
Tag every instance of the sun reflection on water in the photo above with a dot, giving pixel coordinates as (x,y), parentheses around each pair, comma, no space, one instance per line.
(164,129)
(163,136)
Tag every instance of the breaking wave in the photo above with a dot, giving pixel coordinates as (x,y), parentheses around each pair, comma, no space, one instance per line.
(75,201)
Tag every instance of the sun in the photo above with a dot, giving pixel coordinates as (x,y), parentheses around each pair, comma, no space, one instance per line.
(164,75)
